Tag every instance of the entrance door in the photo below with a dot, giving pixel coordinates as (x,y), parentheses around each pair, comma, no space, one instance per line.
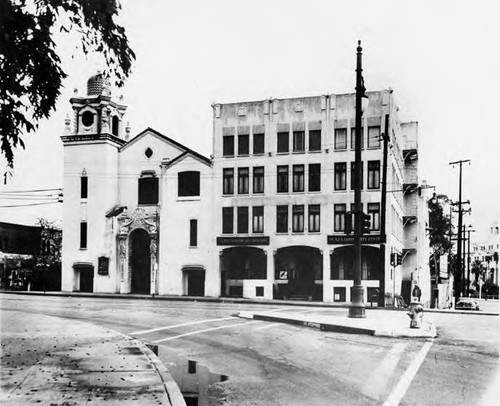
(86,279)
(196,282)
(140,261)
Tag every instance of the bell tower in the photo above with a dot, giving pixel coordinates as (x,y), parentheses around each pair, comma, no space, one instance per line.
(92,139)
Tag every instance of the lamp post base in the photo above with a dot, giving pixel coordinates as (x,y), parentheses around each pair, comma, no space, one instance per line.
(357,308)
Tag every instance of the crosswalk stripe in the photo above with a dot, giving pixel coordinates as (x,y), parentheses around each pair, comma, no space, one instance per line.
(191,323)
(404,383)
(204,331)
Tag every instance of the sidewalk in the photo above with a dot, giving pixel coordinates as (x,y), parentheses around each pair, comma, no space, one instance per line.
(385,323)
(55,361)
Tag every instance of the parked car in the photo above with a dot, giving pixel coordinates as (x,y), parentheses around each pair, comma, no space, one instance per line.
(464,304)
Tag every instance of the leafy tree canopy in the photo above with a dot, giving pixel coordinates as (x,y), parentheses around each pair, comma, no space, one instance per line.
(439,225)
(30,69)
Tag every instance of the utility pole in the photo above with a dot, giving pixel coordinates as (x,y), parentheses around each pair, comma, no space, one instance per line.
(383,204)
(458,276)
(469,230)
(357,307)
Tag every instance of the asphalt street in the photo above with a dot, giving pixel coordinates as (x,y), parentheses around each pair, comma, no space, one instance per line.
(226,360)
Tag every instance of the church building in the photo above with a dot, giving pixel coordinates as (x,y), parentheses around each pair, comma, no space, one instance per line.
(134,209)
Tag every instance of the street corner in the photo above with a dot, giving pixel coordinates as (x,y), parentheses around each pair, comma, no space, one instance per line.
(244,315)
(428,330)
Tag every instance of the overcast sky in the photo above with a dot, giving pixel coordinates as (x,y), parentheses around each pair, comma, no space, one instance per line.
(441,59)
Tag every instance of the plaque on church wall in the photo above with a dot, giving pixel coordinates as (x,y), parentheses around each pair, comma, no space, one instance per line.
(103,266)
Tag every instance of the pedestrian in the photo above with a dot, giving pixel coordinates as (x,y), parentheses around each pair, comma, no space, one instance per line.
(417,293)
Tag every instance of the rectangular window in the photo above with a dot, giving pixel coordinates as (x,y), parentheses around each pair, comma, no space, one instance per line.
(258,179)
(84,183)
(188,183)
(243,181)
(298,178)
(282,219)
(353,170)
(340,176)
(299,141)
(373,174)
(258,144)
(339,211)
(243,144)
(353,138)
(374,212)
(314,218)
(228,181)
(258,219)
(83,235)
(228,145)
(283,179)
(242,220)
(227,220)
(148,190)
(193,233)
(341,138)
(314,140)
(374,137)
(314,177)
(298,218)
(283,143)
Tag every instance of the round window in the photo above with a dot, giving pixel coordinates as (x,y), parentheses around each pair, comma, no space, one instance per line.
(88,118)
(148,152)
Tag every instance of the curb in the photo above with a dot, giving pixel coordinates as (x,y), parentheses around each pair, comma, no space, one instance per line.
(233,300)
(340,328)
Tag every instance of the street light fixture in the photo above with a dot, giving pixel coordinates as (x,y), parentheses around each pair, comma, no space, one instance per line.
(357,307)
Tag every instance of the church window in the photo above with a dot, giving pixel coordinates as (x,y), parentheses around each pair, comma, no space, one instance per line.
(83,235)
(189,183)
(84,185)
(148,188)
(87,118)
(115,125)
(148,153)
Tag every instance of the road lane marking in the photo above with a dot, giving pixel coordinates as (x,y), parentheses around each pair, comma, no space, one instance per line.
(404,383)
(204,331)
(191,323)
(377,383)
(268,326)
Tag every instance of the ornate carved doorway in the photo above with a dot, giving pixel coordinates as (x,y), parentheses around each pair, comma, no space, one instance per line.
(138,251)
(140,261)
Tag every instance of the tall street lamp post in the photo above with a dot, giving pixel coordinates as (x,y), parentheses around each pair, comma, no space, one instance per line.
(357,308)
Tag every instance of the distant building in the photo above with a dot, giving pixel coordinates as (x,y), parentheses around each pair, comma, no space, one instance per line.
(264,218)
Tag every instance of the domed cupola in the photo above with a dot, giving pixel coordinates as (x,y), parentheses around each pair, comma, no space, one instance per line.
(98,85)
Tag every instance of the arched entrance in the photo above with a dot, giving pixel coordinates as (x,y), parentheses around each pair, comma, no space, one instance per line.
(140,261)
(299,273)
(238,264)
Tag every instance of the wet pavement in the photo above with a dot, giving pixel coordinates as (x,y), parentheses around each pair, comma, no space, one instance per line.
(53,361)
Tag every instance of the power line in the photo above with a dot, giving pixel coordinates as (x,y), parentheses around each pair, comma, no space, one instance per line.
(30,204)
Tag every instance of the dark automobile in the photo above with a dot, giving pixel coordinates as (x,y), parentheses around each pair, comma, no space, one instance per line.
(467,305)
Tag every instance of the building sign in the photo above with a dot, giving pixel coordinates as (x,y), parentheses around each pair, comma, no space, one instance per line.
(349,239)
(242,240)
(103,266)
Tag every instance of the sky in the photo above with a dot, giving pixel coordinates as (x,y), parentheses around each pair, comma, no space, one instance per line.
(440,58)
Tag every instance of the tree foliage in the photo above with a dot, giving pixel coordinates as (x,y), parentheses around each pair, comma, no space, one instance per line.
(439,225)
(31,74)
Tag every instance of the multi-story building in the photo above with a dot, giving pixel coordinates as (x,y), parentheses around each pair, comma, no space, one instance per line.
(283,186)
(264,218)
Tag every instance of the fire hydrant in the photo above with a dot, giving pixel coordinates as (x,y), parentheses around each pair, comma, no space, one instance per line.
(416,314)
